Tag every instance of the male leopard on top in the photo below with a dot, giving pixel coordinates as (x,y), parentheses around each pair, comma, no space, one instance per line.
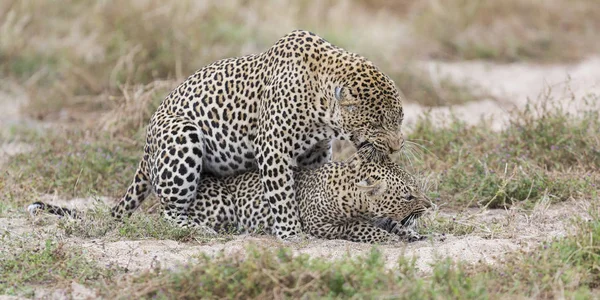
(365,199)
(268,112)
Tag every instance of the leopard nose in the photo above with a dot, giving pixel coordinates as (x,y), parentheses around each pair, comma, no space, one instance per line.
(396,144)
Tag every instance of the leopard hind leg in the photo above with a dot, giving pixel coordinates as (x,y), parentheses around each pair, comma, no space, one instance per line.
(177,166)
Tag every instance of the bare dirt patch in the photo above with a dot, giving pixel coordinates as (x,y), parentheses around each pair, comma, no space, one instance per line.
(511,86)
(496,233)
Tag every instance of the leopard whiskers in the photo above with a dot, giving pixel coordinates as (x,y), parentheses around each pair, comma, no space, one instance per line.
(409,154)
(421,147)
(369,153)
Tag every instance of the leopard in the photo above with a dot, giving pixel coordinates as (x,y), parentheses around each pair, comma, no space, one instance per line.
(268,112)
(363,199)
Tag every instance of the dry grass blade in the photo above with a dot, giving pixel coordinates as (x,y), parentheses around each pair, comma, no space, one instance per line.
(133,108)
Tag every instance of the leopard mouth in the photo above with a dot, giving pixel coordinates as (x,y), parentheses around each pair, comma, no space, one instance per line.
(364,144)
(368,150)
(361,141)
(411,219)
(357,140)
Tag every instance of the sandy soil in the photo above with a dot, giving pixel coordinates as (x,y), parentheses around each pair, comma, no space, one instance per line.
(510,86)
(497,231)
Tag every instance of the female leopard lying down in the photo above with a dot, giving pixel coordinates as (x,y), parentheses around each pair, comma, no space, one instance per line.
(362,200)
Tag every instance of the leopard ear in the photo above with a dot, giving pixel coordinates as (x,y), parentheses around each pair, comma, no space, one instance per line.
(371,187)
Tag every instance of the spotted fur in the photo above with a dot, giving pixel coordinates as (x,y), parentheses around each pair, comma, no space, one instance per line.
(268,112)
(363,200)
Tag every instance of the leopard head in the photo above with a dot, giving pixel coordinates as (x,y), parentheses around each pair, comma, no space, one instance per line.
(370,107)
(389,190)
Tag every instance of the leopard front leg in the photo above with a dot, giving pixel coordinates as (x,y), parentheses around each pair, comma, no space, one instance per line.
(277,180)
(355,231)
(406,233)
(274,148)
(278,186)
(316,156)
(360,231)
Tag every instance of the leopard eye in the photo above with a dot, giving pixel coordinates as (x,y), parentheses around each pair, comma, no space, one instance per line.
(411,197)
(388,119)
(395,118)
(338,93)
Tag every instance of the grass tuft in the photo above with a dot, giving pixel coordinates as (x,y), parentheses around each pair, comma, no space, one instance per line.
(544,151)
(268,274)
(70,163)
(98,223)
(563,267)
(51,262)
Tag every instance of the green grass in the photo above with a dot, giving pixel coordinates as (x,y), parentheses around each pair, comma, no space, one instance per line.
(270,274)
(71,163)
(555,155)
(27,266)
(98,223)
(24,66)
(4,208)
(567,267)
(571,264)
